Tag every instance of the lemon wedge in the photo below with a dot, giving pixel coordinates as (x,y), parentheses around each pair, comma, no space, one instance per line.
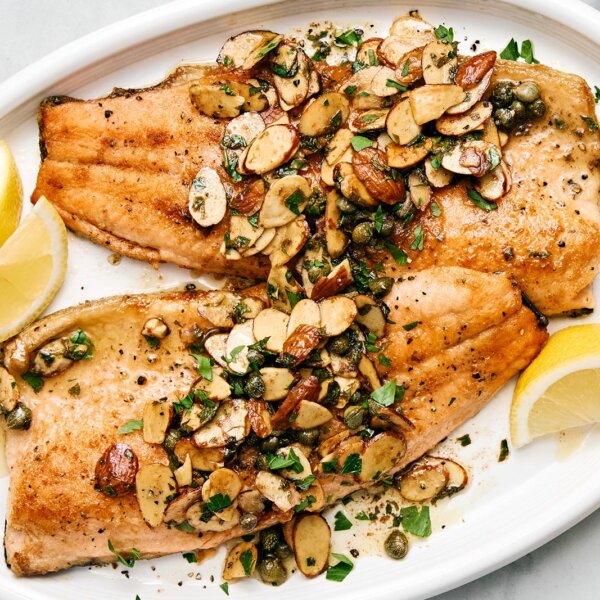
(33,262)
(561,388)
(11,194)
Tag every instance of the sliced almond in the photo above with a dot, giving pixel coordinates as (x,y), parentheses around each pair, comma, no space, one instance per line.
(178,507)
(312,543)
(472,96)
(280,492)
(423,482)
(491,133)
(183,474)
(230,424)
(202,459)
(196,517)
(262,242)
(503,137)
(439,62)
(306,312)
(367,368)
(242,130)
(335,238)
(419,190)
(371,168)
(351,186)
(292,75)
(337,314)
(216,100)
(327,170)
(207,200)
(381,453)
(368,120)
(383,141)
(239,337)
(271,324)
(218,307)
(254,98)
(370,314)
(216,346)
(465,122)
(403,157)
(292,238)
(473,69)
(383,82)
(457,474)
(260,418)
(390,418)
(472,157)
(197,415)
(324,115)
(410,69)
(326,446)
(236,50)
(309,415)
(367,51)
(281,285)
(9,392)
(429,102)
(337,146)
(401,125)
(242,233)
(154,485)
(493,185)
(157,417)
(271,148)
(394,49)
(315,497)
(314,81)
(413,27)
(250,307)
(345,448)
(224,482)
(267,46)
(300,344)
(234,568)
(285,199)
(339,278)
(277,383)
(438,177)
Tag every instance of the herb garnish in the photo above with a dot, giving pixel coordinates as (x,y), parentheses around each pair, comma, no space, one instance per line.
(445,34)
(386,394)
(353,465)
(204,366)
(360,142)
(419,237)
(395,84)
(341,570)
(410,326)
(415,521)
(276,461)
(128,562)
(342,523)
(225,587)
(591,123)
(247,561)
(465,440)
(504,451)
(597,94)
(131,425)
(294,200)
(511,52)
(398,254)
(190,557)
(479,201)
(218,502)
(308,501)
(35,381)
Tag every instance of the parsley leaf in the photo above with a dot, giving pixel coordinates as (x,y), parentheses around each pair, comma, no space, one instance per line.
(294,199)
(504,451)
(329,466)
(293,297)
(35,381)
(353,465)
(398,254)
(417,243)
(131,425)
(446,34)
(527,53)
(225,588)
(128,562)
(394,84)
(292,461)
(218,502)
(185,526)
(386,394)
(436,211)
(363,516)
(304,484)
(415,522)
(511,52)
(349,90)
(341,522)
(479,201)
(204,366)
(378,219)
(190,557)
(465,440)
(591,123)
(410,326)
(360,142)
(247,561)
(384,360)
(597,93)
(308,501)
(341,570)
(352,37)
(405,68)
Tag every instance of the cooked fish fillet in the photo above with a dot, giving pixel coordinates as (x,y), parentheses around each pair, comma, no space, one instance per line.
(118,170)
(474,336)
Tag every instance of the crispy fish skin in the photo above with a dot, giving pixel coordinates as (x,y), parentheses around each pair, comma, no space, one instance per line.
(55,517)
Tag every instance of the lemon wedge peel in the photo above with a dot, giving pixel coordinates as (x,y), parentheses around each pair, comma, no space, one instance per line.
(561,388)
(11,193)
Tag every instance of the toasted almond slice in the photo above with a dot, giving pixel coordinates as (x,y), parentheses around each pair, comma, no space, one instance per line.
(343,366)
(457,474)
(465,122)
(370,314)
(197,415)
(491,134)
(229,253)
(309,415)
(382,84)
(290,192)
(403,157)
(390,418)
(301,343)
(413,27)
(367,100)
(337,146)
(9,392)
(242,233)
(240,337)
(236,49)
(335,238)
(439,62)
(341,452)
(306,389)
(260,418)
(429,102)
(306,312)
(304,463)
(496,183)
(288,532)
(472,157)
(262,242)
(473,69)
(196,517)
(351,186)
(324,115)
(250,307)
(294,236)
(280,286)
(383,141)
(246,126)
(371,167)
(216,100)
(327,170)
(394,50)
(503,137)
(368,120)
(410,68)
(177,508)
(326,446)
(422,482)
(183,474)
(230,424)
(439,177)
(312,543)
(203,459)
(207,201)
(381,453)
(419,190)
(271,324)
(276,489)
(315,496)
(267,46)
(400,123)
(472,96)
(348,385)
(223,482)
(157,417)
(277,383)
(234,568)
(253,100)
(292,75)
(271,148)
(367,368)
(216,346)
(314,81)
(339,278)
(154,485)
(337,314)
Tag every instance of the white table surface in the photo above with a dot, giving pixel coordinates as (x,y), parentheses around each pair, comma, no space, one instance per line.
(568,566)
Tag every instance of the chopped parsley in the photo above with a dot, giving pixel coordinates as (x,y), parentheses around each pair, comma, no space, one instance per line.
(479,201)
(190,557)
(363,516)
(218,502)
(436,211)
(415,521)
(410,326)
(445,34)
(398,254)
(35,381)
(386,394)
(597,94)
(75,390)
(419,237)
(465,440)
(591,123)
(353,465)
(504,451)
(204,366)
(511,52)
(352,37)
(329,466)
(293,297)
(304,484)
(341,570)
(131,425)
(349,90)
(134,554)
(342,523)
(308,501)
(247,561)
(360,142)
(378,219)
(405,68)
(384,360)
(276,462)
(294,200)
(185,526)
(225,587)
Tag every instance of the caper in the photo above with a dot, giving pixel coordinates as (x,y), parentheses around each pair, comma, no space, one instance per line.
(381,285)
(19,417)
(396,545)
(315,206)
(269,539)
(255,385)
(339,345)
(320,269)
(353,416)
(272,571)
(171,439)
(527,92)
(362,233)
(537,109)
(248,522)
(387,226)
(505,118)
(332,395)
(309,437)
(262,462)
(256,357)
(502,94)
(269,444)
(520,110)
(345,205)
(283,551)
